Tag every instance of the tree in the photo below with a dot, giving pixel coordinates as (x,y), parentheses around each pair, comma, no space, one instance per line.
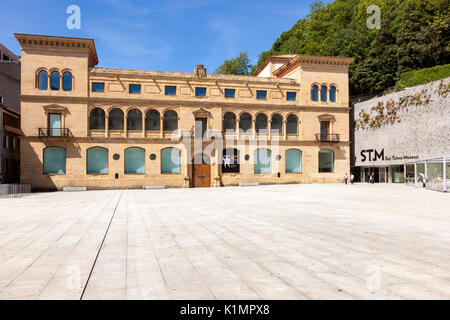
(239,65)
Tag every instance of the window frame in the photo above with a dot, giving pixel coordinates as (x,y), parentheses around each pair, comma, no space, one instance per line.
(197,92)
(286,158)
(134,85)
(43,161)
(256,158)
(290,93)
(321,151)
(97,83)
(163,150)
(229,96)
(125,162)
(167,93)
(87,161)
(259,92)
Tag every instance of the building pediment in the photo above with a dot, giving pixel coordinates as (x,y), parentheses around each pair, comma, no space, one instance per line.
(55,108)
(202,113)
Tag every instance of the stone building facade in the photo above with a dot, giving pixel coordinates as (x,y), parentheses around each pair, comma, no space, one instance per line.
(9,116)
(116,128)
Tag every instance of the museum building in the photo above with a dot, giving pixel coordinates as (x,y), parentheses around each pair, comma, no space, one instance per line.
(105,128)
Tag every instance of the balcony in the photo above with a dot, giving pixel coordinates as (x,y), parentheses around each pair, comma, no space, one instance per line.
(320,137)
(55,133)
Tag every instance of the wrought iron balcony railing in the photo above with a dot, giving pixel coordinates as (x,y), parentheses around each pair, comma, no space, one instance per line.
(55,132)
(327,137)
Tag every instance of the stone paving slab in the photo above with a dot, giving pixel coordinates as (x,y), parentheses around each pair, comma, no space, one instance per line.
(266,242)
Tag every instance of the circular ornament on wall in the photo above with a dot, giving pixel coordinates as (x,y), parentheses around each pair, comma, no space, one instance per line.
(247,157)
(116,156)
(153,156)
(278,157)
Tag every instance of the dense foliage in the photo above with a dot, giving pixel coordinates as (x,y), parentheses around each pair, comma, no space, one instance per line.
(414,34)
(239,65)
(414,78)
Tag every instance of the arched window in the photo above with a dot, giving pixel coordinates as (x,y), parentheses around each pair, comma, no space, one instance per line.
(55,80)
(152,120)
(170,121)
(245,122)
(134,120)
(293,161)
(292,124)
(97,119)
(261,123)
(97,160)
(262,161)
(134,160)
(229,122)
(115,120)
(43,80)
(326,161)
(276,125)
(332,94)
(315,93)
(170,160)
(67,81)
(54,160)
(323,93)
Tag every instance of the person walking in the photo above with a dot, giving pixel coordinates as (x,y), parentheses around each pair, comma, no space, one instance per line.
(345,178)
(372,178)
(352,178)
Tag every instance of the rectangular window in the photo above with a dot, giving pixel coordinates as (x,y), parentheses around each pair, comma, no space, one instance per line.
(229,93)
(134,88)
(261,94)
(5,141)
(170,90)
(54,124)
(291,96)
(324,130)
(98,87)
(200,92)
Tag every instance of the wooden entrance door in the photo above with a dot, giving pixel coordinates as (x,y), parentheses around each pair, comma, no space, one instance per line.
(201,175)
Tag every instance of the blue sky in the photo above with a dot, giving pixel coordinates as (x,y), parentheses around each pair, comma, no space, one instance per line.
(172,35)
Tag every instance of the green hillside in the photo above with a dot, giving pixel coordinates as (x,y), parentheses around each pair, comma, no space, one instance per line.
(414,78)
(414,34)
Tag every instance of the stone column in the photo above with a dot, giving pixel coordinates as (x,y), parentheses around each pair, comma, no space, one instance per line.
(415,173)
(125,125)
(445,174)
(161,127)
(285,131)
(107,125)
(143,125)
(254,128)
(269,128)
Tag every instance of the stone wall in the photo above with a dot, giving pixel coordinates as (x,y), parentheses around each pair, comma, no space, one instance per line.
(420,130)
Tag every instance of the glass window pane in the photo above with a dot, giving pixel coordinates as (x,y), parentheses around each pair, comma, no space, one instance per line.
(291,96)
(134,120)
(261,94)
(261,123)
(55,80)
(323,94)
(54,160)
(135,88)
(292,124)
(152,120)
(262,161)
(276,124)
(170,122)
(326,161)
(97,119)
(97,160)
(115,121)
(229,122)
(229,93)
(43,80)
(54,124)
(134,160)
(332,94)
(98,87)
(170,160)
(245,122)
(230,160)
(200,92)
(67,81)
(315,93)
(170,90)
(293,161)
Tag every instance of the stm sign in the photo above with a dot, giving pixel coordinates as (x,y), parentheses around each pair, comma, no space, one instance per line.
(372,154)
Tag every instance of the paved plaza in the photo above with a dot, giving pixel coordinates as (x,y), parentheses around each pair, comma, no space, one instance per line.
(268,242)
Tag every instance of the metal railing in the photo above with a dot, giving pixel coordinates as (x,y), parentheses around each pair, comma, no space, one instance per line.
(14,190)
(334,137)
(54,132)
